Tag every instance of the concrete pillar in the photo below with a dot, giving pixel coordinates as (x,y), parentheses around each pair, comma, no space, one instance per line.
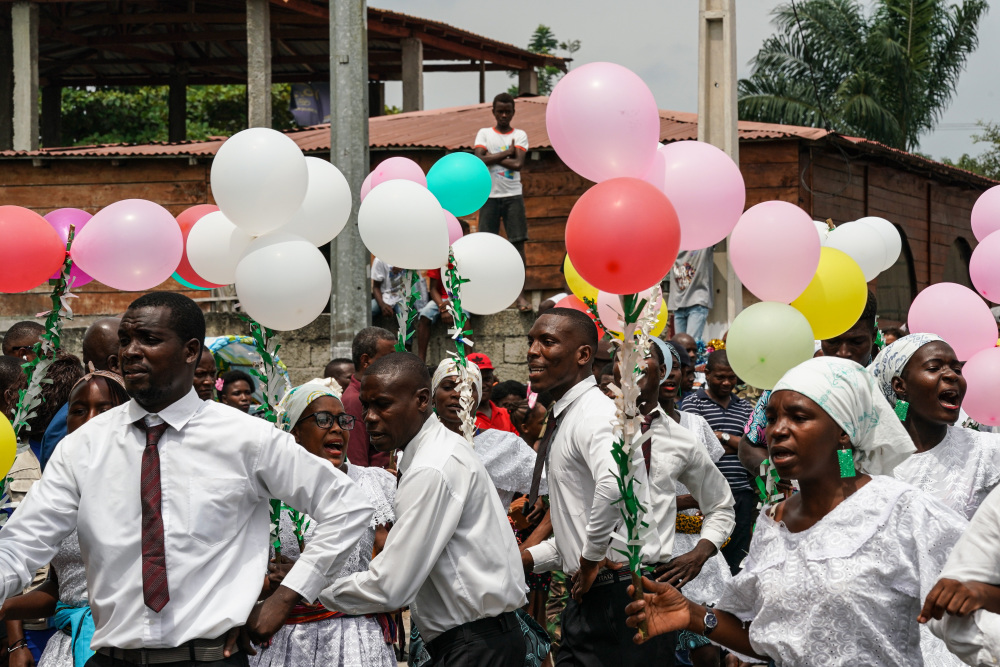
(52,114)
(527,82)
(24,29)
(350,302)
(6,80)
(258,63)
(413,74)
(717,116)
(177,104)
(376,99)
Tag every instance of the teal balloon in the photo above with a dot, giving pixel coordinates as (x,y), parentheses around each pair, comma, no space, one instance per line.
(461,183)
(187,284)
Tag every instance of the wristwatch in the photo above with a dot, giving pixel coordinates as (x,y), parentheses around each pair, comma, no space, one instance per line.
(711,621)
(727,437)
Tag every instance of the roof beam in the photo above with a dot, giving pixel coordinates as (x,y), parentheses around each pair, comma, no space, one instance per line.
(182,18)
(303,7)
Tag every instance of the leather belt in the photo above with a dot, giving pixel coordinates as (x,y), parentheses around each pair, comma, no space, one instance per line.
(196,650)
(605,577)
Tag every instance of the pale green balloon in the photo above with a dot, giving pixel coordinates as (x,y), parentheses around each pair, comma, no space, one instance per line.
(767,340)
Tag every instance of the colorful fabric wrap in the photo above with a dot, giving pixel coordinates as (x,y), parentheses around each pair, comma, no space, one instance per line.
(295,402)
(891,361)
(107,375)
(314,613)
(78,623)
(449,367)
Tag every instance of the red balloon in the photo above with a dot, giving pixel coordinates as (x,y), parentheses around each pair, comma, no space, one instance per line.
(574,302)
(30,252)
(623,235)
(186,220)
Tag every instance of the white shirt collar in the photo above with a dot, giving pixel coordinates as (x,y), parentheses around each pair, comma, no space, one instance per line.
(575,392)
(176,415)
(426,431)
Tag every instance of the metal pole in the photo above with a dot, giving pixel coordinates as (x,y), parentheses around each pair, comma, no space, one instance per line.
(350,302)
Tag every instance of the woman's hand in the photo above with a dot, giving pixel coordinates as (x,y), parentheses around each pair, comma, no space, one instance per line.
(663,608)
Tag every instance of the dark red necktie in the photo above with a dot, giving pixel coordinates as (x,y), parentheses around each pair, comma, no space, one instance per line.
(540,458)
(647,447)
(154,554)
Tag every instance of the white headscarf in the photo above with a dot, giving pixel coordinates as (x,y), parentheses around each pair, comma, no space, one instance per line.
(669,353)
(891,361)
(448,367)
(295,402)
(846,392)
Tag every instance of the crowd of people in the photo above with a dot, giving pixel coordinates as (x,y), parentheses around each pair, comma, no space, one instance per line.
(158,520)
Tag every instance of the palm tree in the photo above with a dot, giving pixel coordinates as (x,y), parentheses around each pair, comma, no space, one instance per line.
(886,74)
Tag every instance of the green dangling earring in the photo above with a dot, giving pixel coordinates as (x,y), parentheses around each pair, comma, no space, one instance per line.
(901,409)
(845,457)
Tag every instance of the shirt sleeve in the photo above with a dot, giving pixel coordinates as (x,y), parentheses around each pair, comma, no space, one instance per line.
(46,516)
(481,138)
(427,515)
(710,489)
(545,556)
(337,506)
(521,139)
(604,513)
(379,270)
(975,556)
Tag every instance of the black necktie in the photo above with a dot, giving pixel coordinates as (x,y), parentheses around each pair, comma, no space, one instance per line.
(543,454)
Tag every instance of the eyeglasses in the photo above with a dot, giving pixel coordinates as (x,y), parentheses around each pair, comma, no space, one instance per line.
(325,420)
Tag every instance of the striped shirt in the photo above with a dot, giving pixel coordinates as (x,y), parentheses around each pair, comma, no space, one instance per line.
(731,419)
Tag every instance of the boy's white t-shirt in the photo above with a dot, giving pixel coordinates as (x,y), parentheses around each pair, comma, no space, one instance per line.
(506,182)
(391,279)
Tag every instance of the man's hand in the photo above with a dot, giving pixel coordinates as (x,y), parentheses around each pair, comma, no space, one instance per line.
(681,570)
(537,512)
(386,310)
(268,616)
(584,577)
(446,317)
(237,639)
(527,561)
(21,658)
(277,568)
(686,502)
(663,608)
(958,598)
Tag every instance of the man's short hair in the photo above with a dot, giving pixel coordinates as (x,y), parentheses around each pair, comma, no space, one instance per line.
(580,322)
(22,331)
(608,369)
(186,319)
(717,359)
(893,331)
(366,343)
(503,98)
(870,312)
(509,388)
(328,371)
(401,365)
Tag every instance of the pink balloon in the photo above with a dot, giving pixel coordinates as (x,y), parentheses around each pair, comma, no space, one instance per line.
(706,188)
(454,227)
(61,219)
(609,309)
(366,187)
(603,122)
(132,245)
(396,168)
(986,213)
(957,314)
(982,398)
(774,250)
(984,267)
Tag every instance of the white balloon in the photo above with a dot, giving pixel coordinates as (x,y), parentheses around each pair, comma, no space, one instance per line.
(327,206)
(493,268)
(403,224)
(283,281)
(214,248)
(259,179)
(862,243)
(890,236)
(823,229)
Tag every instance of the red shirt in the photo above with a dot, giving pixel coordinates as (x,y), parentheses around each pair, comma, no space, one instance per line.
(359,450)
(500,419)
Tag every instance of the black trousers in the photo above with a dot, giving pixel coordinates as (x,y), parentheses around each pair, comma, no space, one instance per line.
(488,642)
(237,660)
(739,541)
(594,633)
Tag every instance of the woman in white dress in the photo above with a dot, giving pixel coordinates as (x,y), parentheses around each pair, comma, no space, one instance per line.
(64,594)
(836,573)
(313,635)
(922,378)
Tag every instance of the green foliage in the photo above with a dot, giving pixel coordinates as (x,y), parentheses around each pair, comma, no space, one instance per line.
(886,74)
(139,115)
(543,40)
(988,163)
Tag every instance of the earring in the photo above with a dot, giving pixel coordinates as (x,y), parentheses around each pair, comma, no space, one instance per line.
(901,409)
(845,457)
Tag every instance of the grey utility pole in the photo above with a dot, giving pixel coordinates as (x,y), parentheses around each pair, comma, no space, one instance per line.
(350,308)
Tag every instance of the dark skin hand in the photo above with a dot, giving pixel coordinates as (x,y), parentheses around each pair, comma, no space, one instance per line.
(513,157)
(583,579)
(751,456)
(268,616)
(959,598)
(20,657)
(682,569)
(686,502)
(933,384)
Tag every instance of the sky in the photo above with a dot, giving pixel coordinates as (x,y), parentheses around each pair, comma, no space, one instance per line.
(658,39)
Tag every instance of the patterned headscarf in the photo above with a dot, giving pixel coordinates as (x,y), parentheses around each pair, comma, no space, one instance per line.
(846,392)
(295,402)
(891,361)
(669,355)
(448,367)
(107,375)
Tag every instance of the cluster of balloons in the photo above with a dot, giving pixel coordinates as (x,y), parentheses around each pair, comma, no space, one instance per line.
(812,282)
(409,220)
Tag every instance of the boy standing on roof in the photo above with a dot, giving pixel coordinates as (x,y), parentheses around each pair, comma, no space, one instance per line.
(502,149)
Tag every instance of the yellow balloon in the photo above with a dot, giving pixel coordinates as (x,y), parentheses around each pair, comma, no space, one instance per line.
(577,285)
(8,445)
(835,297)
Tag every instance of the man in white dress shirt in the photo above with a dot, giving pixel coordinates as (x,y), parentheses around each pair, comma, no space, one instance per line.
(582,488)
(451,554)
(170,497)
